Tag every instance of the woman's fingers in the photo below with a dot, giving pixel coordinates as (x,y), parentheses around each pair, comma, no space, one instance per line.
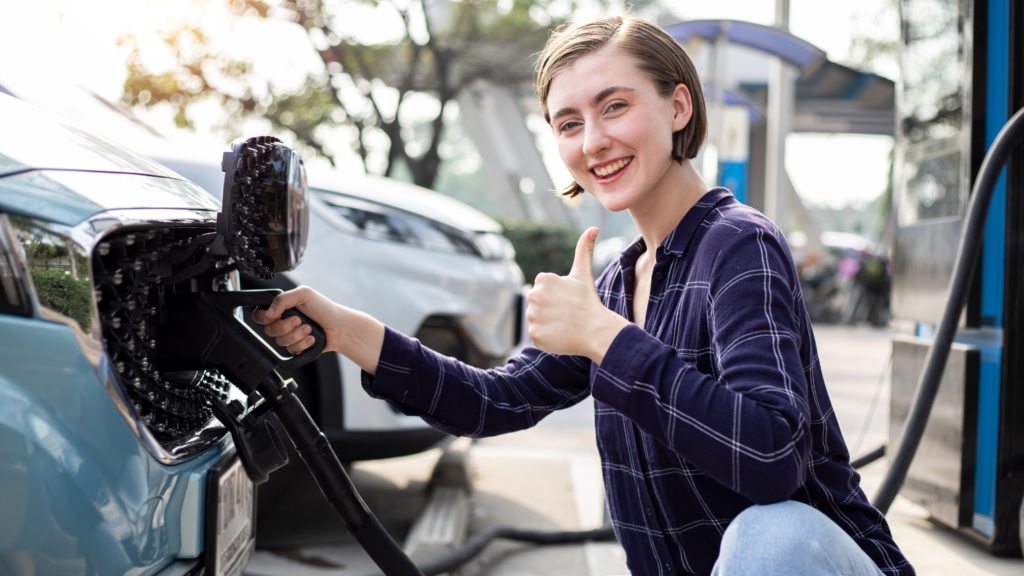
(294,337)
(279,328)
(291,332)
(302,345)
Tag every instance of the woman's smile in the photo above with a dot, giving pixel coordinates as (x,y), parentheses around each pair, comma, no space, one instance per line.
(610,171)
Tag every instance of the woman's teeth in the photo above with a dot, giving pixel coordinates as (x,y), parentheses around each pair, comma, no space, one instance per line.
(613,167)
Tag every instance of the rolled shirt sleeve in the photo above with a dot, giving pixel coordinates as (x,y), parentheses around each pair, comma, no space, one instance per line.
(466,401)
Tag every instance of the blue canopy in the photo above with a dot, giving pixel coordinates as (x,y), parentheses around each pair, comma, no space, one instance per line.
(830,97)
(798,52)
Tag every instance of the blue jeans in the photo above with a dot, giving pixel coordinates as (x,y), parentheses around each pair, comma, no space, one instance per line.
(789,538)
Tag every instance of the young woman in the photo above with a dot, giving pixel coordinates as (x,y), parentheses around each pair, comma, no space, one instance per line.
(720,449)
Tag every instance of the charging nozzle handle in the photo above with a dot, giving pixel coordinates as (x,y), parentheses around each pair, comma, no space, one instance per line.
(228,301)
(314,351)
(323,464)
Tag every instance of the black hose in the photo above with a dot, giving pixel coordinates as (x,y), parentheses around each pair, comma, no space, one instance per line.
(323,464)
(477,543)
(963,268)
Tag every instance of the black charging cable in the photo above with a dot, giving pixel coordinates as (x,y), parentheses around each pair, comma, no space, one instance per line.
(316,452)
(966,259)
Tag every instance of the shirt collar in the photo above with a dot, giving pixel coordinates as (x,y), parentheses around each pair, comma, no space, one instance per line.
(679,239)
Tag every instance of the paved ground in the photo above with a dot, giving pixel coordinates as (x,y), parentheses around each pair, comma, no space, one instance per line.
(549,478)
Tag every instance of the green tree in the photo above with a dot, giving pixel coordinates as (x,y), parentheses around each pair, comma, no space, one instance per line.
(874,44)
(446,46)
(541,246)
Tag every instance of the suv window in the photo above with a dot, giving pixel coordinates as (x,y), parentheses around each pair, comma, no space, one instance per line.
(13,296)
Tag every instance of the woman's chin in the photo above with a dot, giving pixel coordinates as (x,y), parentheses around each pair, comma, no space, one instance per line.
(615,203)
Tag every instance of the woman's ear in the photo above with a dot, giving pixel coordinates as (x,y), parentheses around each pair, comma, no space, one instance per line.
(682,107)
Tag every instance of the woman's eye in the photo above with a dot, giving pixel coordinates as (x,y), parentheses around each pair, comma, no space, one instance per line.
(569,126)
(614,106)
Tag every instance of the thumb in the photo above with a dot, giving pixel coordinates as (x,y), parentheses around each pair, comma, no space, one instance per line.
(582,264)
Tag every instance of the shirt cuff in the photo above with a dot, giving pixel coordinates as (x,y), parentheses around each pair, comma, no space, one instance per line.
(624,362)
(393,367)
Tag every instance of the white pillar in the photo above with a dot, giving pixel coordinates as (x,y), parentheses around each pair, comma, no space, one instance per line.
(781,101)
(715,107)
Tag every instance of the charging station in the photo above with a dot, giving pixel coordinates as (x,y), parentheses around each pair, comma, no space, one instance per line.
(962,70)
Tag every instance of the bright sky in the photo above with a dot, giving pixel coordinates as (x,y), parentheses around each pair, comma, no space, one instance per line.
(62,41)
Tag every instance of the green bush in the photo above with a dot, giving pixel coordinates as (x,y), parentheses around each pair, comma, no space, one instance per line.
(63,293)
(541,246)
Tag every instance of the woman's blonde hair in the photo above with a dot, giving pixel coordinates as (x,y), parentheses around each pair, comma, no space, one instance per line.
(657,55)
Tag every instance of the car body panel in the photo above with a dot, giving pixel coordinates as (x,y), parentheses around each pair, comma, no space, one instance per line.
(69,197)
(75,503)
(405,196)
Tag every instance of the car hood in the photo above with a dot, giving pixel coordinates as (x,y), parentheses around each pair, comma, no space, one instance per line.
(57,172)
(33,139)
(405,196)
(71,196)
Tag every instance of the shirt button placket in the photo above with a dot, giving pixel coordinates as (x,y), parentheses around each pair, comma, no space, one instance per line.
(662,546)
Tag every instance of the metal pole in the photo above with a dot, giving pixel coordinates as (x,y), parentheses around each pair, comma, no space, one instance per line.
(717,108)
(781,100)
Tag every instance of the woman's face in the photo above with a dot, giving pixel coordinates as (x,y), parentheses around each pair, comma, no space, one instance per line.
(614,131)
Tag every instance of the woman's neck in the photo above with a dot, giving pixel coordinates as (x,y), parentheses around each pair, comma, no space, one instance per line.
(665,205)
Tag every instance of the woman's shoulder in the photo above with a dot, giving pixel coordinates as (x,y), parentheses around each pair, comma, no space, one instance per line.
(734,223)
(739,239)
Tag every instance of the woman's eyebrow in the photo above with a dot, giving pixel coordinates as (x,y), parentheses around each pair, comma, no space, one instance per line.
(593,101)
(608,92)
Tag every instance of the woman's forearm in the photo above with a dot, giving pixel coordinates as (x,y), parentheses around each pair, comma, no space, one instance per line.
(360,338)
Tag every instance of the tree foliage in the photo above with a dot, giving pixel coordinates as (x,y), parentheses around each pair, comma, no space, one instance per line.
(541,246)
(363,86)
(874,44)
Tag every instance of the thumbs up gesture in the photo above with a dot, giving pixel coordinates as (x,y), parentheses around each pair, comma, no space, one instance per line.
(565,314)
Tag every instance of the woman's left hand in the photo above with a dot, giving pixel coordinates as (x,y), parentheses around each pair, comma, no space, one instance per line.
(565,314)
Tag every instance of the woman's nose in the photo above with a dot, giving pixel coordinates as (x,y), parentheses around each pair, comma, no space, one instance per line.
(595,139)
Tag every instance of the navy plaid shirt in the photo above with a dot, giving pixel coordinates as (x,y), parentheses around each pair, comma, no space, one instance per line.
(718,404)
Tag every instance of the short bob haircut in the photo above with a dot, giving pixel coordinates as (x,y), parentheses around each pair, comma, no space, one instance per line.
(657,55)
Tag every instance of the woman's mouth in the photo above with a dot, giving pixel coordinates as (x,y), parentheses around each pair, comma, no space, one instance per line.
(611,171)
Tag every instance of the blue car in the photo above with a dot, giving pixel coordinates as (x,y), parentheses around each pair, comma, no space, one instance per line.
(107,465)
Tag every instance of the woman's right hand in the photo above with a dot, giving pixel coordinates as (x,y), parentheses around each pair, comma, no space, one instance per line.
(291,332)
(355,335)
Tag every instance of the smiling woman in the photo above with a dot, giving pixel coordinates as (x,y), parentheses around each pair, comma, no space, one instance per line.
(713,420)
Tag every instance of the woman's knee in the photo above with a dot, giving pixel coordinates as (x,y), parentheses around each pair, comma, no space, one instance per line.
(776,522)
(769,537)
